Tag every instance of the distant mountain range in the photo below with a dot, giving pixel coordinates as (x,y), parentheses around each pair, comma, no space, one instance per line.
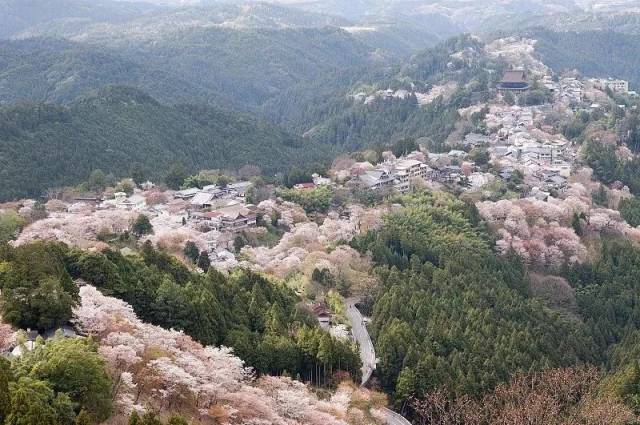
(211,65)
(396,26)
(17,16)
(469,15)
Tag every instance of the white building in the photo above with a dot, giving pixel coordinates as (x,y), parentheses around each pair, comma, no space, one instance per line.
(616,86)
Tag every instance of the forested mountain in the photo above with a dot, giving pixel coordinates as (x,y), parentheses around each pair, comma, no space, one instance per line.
(163,21)
(58,71)
(473,16)
(586,50)
(331,115)
(249,66)
(127,367)
(467,12)
(242,67)
(244,310)
(119,126)
(242,55)
(17,16)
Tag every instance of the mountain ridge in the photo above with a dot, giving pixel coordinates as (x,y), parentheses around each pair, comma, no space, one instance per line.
(119,126)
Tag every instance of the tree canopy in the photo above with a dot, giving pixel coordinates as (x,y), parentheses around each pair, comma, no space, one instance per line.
(451,314)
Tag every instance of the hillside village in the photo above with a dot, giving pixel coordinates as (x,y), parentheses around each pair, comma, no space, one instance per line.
(518,146)
(511,159)
(518,139)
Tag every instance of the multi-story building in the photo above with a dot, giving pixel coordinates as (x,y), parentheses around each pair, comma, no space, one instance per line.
(396,174)
(616,86)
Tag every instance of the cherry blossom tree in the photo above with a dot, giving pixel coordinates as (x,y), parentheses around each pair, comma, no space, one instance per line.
(7,337)
(166,370)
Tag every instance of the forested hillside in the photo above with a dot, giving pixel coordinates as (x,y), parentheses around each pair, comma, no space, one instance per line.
(255,316)
(593,53)
(330,115)
(17,16)
(58,71)
(450,314)
(249,66)
(120,126)
(452,320)
(242,68)
(219,54)
(128,366)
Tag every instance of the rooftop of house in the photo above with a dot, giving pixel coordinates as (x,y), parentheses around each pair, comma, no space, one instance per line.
(234,212)
(202,198)
(310,185)
(404,164)
(187,193)
(515,76)
(475,139)
(321,309)
(371,178)
(456,152)
(239,186)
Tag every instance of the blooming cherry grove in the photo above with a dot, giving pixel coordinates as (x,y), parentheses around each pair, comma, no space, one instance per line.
(542,232)
(167,371)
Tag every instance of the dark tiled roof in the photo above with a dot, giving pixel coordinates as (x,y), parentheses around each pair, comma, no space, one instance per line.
(518,76)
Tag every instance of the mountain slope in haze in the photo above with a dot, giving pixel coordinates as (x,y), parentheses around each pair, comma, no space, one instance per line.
(405,35)
(352,111)
(477,16)
(214,65)
(463,12)
(44,146)
(237,55)
(58,71)
(18,15)
(163,22)
(586,51)
(250,66)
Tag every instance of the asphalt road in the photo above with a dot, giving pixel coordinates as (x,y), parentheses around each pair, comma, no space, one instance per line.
(368,355)
(360,333)
(394,418)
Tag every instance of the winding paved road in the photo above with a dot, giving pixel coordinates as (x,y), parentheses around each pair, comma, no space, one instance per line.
(368,355)
(394,418)
(360,333)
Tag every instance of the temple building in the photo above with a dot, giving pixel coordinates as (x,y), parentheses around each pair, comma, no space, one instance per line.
(514,81)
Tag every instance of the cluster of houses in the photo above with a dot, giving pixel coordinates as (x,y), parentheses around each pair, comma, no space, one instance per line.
(517,139)
(218,213)
(219,208)
(368,99)
(403,174)
(520,141)
(396,174)
(568,91)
